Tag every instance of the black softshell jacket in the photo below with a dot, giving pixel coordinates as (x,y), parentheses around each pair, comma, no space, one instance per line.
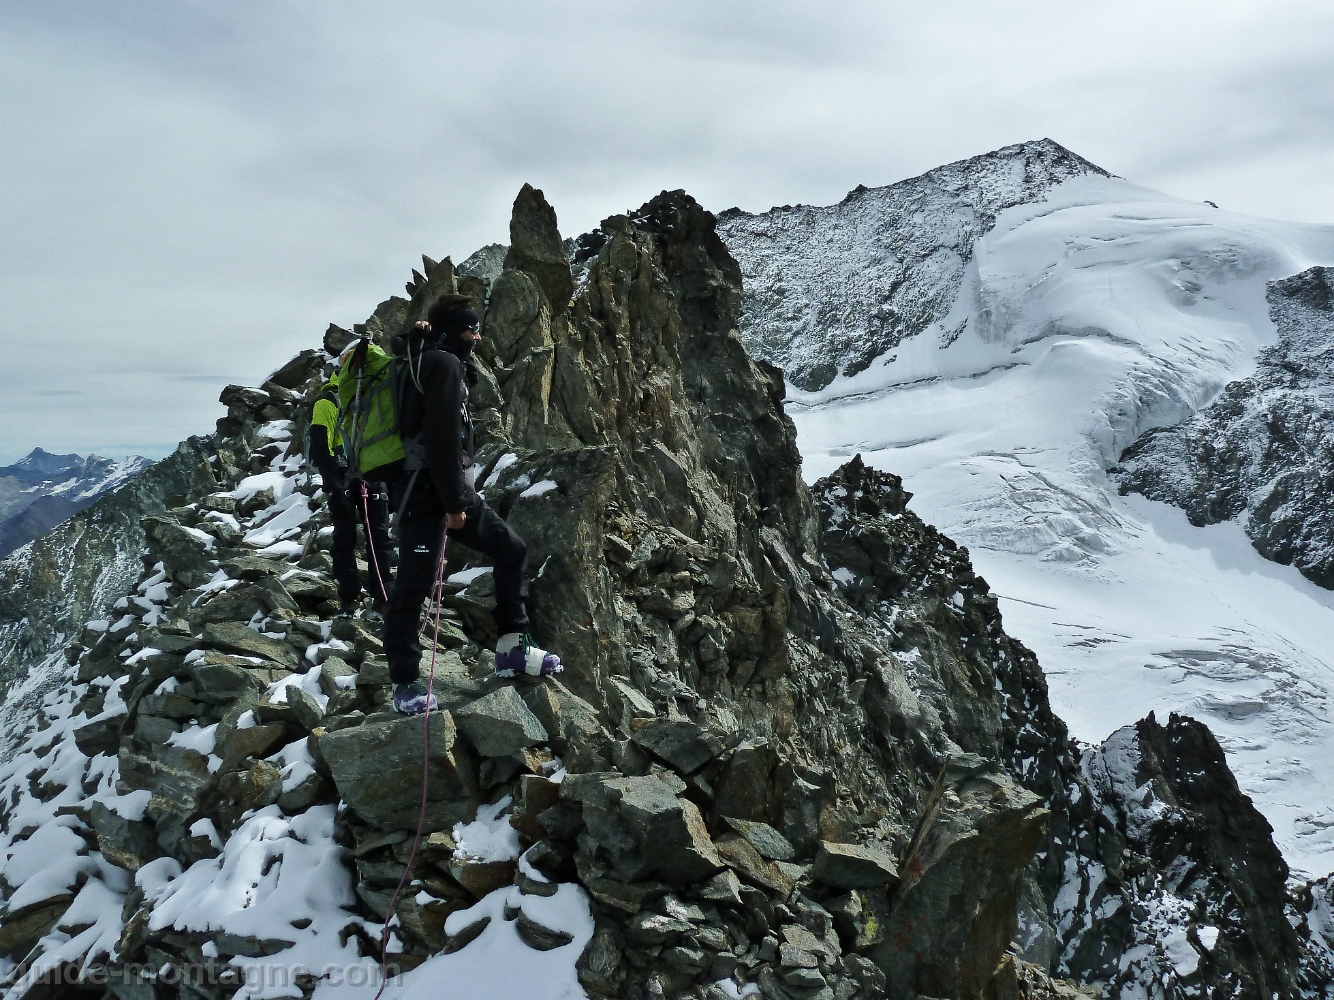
(440,413)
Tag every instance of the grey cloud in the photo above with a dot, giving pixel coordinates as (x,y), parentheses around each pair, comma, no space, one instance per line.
(198,188)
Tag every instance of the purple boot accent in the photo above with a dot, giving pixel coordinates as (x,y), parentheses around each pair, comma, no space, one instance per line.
(516,654)
(413,699)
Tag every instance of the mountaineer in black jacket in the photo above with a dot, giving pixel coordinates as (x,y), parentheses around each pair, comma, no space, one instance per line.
(434,404)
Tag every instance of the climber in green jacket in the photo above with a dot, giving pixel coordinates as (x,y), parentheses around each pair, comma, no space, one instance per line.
(347,507)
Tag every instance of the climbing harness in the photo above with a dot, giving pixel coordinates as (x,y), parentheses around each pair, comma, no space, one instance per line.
(438,593)
(370,539)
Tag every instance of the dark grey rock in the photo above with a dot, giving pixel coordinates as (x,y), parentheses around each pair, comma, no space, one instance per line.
(258,786)
(307,710)
(850,866)
(177,777)
(647,829)
(1263,447)
(219,680)
(538,937)
(722,888)
(377,768)
(572,726)
(308,791)
(311,589)
(331,669)
(188,557)
(769,842)
(681,743)
(237,604)
(99,736)
(237,638)
(125,843)
(962,878)
(499,724)
(235,745)
(537,248)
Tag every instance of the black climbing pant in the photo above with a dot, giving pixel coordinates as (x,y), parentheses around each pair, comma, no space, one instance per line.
(486,533)
(346,513)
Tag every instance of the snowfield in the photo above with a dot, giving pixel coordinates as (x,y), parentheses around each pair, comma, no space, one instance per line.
(1081,321)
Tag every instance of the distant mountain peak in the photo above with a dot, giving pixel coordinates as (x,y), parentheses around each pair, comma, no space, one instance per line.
(42,489)
(44,463)
(859,277)
(1045,163)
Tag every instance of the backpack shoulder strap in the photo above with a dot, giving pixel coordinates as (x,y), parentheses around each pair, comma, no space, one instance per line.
(414,452)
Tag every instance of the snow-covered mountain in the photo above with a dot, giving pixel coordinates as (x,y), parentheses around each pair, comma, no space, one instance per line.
(42,490)
(999,331)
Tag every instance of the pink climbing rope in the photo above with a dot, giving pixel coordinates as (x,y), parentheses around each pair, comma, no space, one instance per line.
(438,593)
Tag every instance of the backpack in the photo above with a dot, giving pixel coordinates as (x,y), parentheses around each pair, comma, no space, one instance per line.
(328,394)
(370,386)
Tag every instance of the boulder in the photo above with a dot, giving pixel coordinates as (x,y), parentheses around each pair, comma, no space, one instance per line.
(644,828)
(20,931)
(628,703)
(538,936)
(744,789)
(572,726)
(296,372)
(248,567)
(304,707)
(499,724)
(679,742)
(424,919)
(331,669)
(99,736)
(303,795)
(186,553)
(765,839)
(236,745)
(220,680)
(236,604)
(177,777)
(377,768)
(482,877)
(237,638)
(754,870)
(125,843)
(276,596)
(172,705)
(310,588)
(536,796)
(955,907)
(257,786)
(849,866)
(266,712)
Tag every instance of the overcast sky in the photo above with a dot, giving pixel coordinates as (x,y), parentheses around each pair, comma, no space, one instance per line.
(191,191)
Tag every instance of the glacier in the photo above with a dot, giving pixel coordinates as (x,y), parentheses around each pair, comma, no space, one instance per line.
(1086,311)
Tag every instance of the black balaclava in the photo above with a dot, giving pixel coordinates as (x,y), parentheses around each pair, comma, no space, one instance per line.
(449,322)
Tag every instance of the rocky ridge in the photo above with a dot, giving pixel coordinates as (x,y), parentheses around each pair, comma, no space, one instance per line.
(794,750)
(1263,451)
